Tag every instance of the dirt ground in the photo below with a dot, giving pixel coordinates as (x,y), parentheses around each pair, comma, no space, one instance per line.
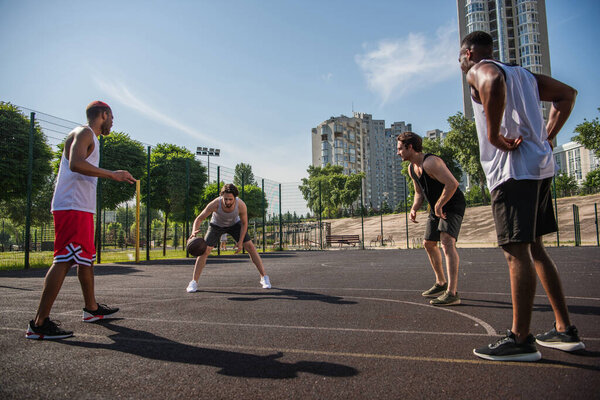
(477,228)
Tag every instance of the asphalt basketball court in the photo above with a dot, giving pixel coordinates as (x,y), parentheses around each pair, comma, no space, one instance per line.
(344,324)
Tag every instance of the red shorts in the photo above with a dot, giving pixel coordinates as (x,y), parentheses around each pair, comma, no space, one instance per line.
(74,237)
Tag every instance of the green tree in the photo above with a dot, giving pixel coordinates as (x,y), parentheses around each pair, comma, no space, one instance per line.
(40,205)
(565,185)
(588,135)
(168,179)
(121,152)
(462,138)
(14,155)
(336,189)
(253,197)
(592,182)
(243,171)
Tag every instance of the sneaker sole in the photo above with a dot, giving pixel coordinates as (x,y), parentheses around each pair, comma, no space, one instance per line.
(93,318)
(564,346)
(515,357)
(191,291)
(452,303)
(37,336)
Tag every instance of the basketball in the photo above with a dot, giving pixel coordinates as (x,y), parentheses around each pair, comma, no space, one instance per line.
(196,246)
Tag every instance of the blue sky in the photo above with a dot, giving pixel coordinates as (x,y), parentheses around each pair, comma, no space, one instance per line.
(253,77)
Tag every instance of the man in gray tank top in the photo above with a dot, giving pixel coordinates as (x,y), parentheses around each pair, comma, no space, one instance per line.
(229,216)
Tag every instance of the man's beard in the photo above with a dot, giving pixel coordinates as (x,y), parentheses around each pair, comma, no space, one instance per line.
(105,129)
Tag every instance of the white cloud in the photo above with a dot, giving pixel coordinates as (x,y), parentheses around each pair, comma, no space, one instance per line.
(327,77)
(396,67)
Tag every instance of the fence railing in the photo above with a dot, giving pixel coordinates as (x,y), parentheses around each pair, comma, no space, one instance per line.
(283,225)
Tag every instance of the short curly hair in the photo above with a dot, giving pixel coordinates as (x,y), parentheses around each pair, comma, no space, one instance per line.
(411,138)
(230,188)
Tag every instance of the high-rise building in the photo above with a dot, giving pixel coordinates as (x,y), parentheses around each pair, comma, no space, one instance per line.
(575,160)
(362,144)
(519,30)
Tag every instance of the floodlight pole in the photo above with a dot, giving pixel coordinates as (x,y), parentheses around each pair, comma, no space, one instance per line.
(205,151)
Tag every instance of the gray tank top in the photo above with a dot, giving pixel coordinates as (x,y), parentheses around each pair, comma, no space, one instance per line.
(224,219)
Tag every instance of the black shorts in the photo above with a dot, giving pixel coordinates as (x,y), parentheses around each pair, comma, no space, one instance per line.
(450,225)
(213,235)
(523,210)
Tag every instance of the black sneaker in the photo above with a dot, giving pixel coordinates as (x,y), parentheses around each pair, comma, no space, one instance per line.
(507,349)
(102,312)
(48,330)
(435,291)
(566,341)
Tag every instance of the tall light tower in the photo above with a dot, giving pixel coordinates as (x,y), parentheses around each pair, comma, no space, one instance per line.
(205,151)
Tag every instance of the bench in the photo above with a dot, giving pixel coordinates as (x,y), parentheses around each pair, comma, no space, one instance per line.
(342,239)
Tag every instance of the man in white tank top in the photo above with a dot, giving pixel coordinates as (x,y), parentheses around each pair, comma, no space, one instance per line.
(73,208)
(516,155)
(229,216)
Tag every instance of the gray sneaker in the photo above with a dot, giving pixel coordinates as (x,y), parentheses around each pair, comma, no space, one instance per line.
(565,341)
(446,299)
(435,291)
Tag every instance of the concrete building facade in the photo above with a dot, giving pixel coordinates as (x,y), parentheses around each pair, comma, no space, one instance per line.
(519,30)
(362,144)
(575,160)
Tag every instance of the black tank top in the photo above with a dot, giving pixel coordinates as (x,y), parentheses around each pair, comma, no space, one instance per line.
(432,189)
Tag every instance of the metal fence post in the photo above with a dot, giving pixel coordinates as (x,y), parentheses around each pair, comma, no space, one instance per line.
(362,220)
(320,220)
(148,208)
(99,209)
(556,211)
(263,216)
(29,184)
(280,222)
(576,225)
(218,191)
(596,223)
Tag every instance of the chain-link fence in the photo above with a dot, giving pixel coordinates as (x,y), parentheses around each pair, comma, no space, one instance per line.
(278,214)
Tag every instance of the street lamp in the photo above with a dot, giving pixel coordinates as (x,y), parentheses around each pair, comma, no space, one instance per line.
(205,151)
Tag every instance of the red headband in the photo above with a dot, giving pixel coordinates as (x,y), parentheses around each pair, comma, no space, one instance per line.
(97,103)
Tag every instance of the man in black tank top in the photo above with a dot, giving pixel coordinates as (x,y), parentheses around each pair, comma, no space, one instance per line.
(434,182)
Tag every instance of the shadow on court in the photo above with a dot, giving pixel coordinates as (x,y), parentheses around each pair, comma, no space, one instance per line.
(283,294)
(148,345)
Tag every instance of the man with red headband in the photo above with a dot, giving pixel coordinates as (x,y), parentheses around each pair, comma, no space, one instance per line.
(73,208)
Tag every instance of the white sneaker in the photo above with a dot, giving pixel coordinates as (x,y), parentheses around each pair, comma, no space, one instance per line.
(192,287)
(264,281)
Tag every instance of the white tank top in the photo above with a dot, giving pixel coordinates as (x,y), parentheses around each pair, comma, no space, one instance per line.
(522,117)
(75,191)
(225,219)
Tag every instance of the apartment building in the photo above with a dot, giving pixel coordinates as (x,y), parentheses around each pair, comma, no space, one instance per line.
(575,160)
(362,144)
(519,30)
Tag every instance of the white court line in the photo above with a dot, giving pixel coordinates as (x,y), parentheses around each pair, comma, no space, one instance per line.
(324,353)
(221,288)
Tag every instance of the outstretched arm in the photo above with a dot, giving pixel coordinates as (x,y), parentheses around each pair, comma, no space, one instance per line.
(209,209)
(80,148)
(243,211)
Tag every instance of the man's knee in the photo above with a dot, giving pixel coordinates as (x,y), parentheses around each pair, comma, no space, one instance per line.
(430,244)
(447,241)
